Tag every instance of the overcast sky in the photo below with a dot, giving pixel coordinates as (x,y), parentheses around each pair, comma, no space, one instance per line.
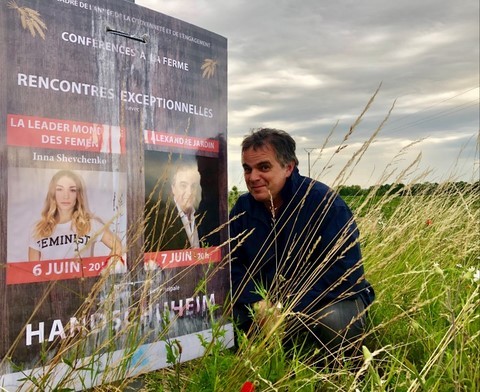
(303,66)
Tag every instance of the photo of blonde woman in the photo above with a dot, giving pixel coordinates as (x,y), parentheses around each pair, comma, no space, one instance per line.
(67,228)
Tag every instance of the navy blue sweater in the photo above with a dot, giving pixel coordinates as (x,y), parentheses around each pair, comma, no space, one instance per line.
(308,254)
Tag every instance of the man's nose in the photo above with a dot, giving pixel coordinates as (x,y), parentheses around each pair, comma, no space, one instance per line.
(189,192)
(254,175)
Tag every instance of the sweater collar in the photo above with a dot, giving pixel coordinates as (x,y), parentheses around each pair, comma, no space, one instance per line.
(291,185)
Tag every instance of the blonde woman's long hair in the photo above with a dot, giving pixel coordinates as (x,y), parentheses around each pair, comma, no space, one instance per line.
(49,218)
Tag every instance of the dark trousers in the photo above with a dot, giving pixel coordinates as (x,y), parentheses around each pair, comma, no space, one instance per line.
(336,329)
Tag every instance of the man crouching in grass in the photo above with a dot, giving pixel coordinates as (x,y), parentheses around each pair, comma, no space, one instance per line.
(302,253)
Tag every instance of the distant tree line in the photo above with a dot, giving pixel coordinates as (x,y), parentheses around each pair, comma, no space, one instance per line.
(233,195)
(424,188)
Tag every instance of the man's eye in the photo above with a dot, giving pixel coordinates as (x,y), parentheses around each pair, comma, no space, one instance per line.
(264,167)
(247,170)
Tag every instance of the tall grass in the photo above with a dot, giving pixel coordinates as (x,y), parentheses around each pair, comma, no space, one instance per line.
(422,260)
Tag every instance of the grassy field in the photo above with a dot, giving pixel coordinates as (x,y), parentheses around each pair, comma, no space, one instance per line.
(422,255)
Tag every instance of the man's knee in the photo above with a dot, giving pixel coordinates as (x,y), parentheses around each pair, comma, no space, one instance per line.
(340,325)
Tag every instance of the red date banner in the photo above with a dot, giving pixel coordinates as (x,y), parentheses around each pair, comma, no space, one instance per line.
(47,270)
(31,131)
(182,258)
(181,141)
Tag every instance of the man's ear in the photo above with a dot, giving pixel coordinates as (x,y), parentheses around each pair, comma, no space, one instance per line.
(289,168)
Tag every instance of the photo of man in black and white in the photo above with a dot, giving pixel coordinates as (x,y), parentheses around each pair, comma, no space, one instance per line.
(176,209)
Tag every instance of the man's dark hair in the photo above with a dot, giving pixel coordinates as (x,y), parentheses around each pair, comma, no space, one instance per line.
(282,143)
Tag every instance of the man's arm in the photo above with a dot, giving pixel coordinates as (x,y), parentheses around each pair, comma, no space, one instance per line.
(243,285)
(337,257)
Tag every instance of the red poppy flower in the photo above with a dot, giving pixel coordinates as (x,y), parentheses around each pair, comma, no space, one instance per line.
(248,387)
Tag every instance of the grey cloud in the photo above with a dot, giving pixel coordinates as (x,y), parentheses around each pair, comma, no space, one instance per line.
(306,65)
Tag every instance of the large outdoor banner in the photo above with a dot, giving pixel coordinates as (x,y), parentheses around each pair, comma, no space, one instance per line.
(113,202)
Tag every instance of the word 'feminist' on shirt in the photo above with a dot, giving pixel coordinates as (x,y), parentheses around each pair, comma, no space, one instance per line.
(63,240)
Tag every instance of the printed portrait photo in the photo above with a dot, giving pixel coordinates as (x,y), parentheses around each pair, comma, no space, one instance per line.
(181,208)
(61,214)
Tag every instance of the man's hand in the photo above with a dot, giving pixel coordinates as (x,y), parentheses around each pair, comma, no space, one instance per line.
(267,314)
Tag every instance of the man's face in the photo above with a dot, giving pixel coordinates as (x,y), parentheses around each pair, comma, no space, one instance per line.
(186,189)
(264,175)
